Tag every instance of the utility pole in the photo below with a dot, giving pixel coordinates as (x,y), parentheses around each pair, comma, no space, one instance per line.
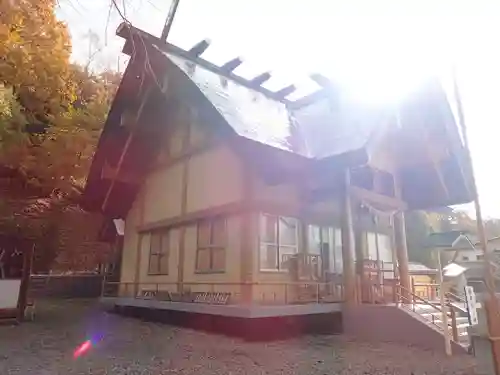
(444,308)
(169,21)
(491,304)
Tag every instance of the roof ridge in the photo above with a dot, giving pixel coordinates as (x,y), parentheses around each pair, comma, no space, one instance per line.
(226,70)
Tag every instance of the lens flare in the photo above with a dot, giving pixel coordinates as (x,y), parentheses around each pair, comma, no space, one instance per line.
(82,349)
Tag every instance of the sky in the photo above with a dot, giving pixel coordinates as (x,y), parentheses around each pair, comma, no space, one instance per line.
(379,49)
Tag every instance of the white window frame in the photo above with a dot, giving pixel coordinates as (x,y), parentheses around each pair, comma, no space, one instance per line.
(262,242)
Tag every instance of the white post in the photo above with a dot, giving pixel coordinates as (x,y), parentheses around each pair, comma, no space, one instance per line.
(444,310)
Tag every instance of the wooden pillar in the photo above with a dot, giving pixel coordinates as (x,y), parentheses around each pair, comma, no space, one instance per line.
(359,251)
(117,258)
(186,136)
(138,260)
(348,244)
(400,243)
(249,247)
(402,253)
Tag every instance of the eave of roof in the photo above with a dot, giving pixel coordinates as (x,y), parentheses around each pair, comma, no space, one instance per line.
(294,134)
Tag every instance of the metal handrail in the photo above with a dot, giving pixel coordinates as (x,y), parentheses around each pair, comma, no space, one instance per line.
(452,324)
(412,303)
(415,297)
(455,297)
(278,292)
(215,283)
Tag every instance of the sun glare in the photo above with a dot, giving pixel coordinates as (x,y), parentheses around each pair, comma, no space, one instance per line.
(385,57)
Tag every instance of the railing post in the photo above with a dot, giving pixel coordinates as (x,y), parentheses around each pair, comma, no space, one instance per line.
(103,285)
(286,294)
(317,292)
(413,291)
(454,328)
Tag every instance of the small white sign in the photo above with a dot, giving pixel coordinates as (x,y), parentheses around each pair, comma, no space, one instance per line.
(470,299)
(9,293)
(120,226)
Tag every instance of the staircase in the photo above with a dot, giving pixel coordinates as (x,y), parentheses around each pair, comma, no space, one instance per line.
(430,313)
(431,316)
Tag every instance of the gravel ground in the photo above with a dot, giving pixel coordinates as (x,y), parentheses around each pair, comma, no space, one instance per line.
(132,347)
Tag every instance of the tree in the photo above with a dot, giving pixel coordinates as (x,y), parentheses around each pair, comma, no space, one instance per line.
(419,224)
(61,156)
(12,122)
(458,220)
(35,49)
(58,164)
(51,116)
(418,227)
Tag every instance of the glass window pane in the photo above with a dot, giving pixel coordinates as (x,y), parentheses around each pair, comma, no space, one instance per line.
(218,259)
(331,243)
(218,232)
(153,264)
(385,248)
(155,245)
(324,234)
(326,253)
(371,239)
(283,252)
(203,260)
(204,233)
(313,239)
(165,242)
(338,252)
(288,231)
(268,257)
(268,228)
(163,264)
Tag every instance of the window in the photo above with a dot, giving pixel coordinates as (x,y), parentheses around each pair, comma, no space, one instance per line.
(211,252)
(339,265)
(321,242)
(159,253)
(465,258)
(379,247)
(327,242)
(278,237)
(385,248)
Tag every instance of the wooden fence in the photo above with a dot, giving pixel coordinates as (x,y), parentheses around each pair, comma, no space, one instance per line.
(66,286)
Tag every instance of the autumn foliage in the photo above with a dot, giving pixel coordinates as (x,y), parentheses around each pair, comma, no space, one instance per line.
(51,114)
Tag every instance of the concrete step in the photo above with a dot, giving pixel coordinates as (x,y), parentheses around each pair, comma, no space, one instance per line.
(462,322)
(431,316)
(437,316)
